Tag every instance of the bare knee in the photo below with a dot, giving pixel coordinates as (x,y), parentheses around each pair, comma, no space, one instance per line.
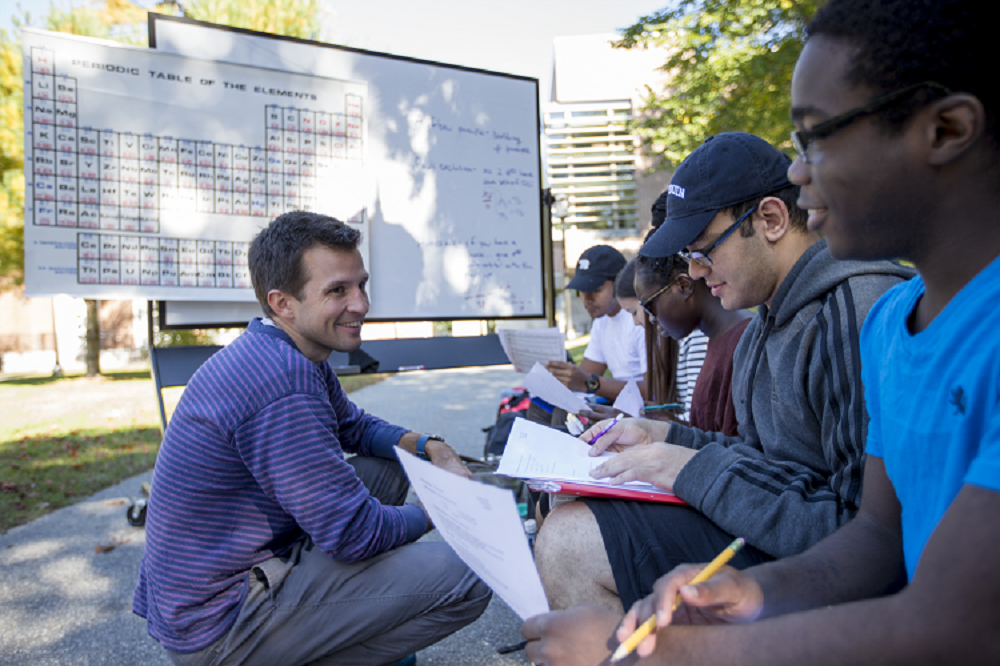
(571,558)
(567,529)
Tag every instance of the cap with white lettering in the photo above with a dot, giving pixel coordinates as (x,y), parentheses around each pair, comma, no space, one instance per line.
(596,265)
(726,170)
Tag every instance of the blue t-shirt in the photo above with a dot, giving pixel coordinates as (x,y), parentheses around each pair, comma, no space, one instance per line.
(934,400)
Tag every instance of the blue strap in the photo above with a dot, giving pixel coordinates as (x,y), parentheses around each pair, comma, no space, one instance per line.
(421,444)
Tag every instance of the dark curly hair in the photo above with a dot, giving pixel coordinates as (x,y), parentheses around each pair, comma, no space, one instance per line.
(275,256)
(905,42)
(658,271)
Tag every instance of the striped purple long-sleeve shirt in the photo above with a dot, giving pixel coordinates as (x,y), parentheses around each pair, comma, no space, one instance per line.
(253,460)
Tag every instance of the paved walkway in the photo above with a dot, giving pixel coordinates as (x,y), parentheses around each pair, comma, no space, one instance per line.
(66,579)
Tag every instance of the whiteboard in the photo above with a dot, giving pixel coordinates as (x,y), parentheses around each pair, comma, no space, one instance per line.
(149,173)
(455,227)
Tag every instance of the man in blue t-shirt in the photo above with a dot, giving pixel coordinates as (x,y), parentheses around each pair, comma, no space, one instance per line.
(897,138)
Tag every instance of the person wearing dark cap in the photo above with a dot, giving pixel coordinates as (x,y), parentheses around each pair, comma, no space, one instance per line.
(616,343)
(793,474)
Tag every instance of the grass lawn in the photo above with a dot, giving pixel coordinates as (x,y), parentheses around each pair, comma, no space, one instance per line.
(63,439)
(577,347)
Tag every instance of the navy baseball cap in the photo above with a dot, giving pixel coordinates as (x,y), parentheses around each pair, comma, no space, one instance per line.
(595,266)
(726,170)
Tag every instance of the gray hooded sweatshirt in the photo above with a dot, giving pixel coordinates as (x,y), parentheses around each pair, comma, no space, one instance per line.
(793,475)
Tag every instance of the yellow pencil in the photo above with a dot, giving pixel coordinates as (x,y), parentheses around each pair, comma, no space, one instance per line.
(649,626)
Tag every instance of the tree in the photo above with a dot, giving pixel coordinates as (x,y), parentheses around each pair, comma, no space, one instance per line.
(121,21)
(291,18)
(11,163)
(731,64)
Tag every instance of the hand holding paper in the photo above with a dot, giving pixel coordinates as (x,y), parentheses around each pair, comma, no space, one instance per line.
(540,382)
(481,524)
(536,452)
(527,346)
(658,463)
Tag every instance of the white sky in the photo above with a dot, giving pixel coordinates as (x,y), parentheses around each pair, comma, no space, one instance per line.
(511,36)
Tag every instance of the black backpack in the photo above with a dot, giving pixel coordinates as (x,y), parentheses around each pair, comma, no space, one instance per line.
(497,434)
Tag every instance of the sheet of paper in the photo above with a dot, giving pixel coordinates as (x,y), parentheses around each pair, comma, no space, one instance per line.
(630,400)
(542,383)
(535,451)
(527,346)
(482,525)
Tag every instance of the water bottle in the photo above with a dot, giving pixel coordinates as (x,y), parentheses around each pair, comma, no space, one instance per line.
(531,529)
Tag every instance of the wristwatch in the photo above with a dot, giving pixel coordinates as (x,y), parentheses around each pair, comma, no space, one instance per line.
(422,444)
(593,383)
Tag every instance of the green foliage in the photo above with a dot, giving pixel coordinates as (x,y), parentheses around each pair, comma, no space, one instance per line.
(731,64)
(292,18)
(11,163)
(181,337)
(119,20)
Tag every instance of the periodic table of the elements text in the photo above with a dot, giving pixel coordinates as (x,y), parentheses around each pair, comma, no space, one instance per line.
(116,188)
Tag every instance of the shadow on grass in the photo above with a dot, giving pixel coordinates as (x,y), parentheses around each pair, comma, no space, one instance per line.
(351,383)
(45,381)
(40,474)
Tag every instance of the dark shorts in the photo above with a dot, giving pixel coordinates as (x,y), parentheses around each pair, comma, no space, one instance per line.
(645,540)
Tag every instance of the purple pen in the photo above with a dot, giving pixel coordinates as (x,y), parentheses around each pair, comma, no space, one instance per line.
(603,432)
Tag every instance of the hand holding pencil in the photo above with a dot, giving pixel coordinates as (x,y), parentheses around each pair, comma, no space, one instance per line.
(623,433)
(730,596)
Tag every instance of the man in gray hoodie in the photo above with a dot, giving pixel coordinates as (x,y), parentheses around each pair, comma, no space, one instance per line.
(793,475)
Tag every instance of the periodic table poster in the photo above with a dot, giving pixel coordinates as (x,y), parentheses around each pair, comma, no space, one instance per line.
(147,173)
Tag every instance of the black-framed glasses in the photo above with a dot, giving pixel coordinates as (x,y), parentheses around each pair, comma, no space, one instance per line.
(803,138)
(646,302)
(701,257)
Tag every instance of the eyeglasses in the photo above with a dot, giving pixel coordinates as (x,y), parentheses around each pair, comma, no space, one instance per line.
(801,139)
(701,257)
(647,301)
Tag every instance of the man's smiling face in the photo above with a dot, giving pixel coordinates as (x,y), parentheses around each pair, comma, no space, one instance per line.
(862,183)
(331,308)
(741,274)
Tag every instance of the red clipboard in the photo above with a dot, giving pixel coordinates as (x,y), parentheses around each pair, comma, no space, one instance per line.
(587,490)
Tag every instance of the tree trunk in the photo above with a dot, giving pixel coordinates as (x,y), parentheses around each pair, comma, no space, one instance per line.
(57,371)
(93,339)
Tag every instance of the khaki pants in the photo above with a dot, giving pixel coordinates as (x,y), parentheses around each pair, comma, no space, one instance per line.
(305,608)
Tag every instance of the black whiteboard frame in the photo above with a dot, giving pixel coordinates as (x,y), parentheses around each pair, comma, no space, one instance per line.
(547,273)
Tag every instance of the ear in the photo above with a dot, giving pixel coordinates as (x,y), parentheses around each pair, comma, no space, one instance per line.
(772,219)
(281,304)
(956,124)
(685,285)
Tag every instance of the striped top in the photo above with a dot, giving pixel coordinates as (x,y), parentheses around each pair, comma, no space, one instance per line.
(252,461)
(689,361)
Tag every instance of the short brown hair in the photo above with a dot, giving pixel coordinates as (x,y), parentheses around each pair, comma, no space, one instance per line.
(275,256)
